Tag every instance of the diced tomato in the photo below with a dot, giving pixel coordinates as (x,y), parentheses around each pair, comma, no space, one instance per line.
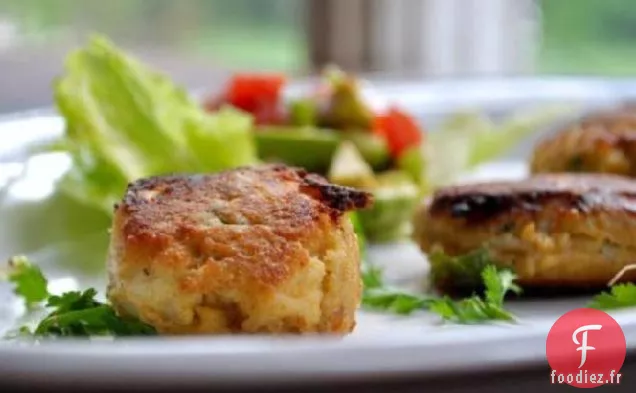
(400,130)
(258,94)
(247,91)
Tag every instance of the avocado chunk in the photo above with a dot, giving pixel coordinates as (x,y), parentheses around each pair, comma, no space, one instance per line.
(346,108)
(413,162)
(395,199)
(373,147)
(307,147)
(348,168)
(303,112)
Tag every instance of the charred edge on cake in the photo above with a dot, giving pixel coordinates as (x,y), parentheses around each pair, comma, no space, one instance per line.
(162,184)
(477,208)
(340,199)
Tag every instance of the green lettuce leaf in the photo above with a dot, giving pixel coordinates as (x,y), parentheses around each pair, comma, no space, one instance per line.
(468,139)
(125,121)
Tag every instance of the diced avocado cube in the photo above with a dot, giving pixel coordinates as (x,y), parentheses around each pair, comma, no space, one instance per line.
(349,168)
(389,219)
(306,147)
(373,147)
(303,112)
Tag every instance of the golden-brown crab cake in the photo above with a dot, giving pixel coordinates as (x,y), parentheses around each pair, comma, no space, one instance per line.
(561,230)
(253,250)
(603,142)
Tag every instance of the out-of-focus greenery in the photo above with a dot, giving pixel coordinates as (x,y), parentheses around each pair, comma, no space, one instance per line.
(240,33)
(579,36)
(588,37)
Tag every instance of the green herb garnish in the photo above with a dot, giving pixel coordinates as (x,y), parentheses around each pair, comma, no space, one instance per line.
(73,314)
(459,273)
(378,296)
(78,314)
(28,280)
(494,284)
(394,300)
(618,296)
(476,309)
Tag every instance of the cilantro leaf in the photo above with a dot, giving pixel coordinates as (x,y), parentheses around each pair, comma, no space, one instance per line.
(619,296)
(394,300)
(458,274)
(28,279)
(74,300)
(476,309)
(79,314)
(372,277)
(469,311)
(378,296)
(498,283)
(73,314)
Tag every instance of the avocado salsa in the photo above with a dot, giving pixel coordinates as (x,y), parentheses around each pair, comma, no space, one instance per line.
(334,132)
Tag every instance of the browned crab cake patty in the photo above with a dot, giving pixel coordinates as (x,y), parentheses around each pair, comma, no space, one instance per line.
(603,142)
(569,230)
(265,249)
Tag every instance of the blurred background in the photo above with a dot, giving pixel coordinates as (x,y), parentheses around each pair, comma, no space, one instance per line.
(198,42)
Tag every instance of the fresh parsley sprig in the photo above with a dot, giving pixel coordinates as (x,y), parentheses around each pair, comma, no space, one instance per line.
(78,314)
(73,314)
(478,309)
(29,282)
(378,296)
(619,295)
(495,285)
(456,274)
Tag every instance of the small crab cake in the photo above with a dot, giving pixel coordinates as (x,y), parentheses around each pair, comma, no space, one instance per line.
(561,230)
(252,250)
(603,142)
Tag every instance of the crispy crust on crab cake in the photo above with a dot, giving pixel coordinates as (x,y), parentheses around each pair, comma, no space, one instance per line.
(254,250)
(603,142)
(564,230)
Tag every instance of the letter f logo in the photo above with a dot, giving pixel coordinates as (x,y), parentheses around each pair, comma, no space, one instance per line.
(583,344)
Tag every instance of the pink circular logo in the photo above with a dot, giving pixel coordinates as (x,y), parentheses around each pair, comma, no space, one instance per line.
(586,348)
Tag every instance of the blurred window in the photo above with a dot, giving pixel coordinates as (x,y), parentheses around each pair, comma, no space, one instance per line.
(426,37)
(199,41)
(240,33)
(193,40)
(588,37)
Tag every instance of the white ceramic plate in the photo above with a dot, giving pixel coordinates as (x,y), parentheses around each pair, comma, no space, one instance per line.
(64,239)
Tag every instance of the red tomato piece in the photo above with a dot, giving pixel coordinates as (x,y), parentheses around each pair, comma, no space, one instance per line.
(400,130)
(257,94)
